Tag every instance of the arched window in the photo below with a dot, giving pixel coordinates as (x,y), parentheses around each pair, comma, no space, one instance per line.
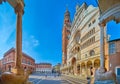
(9,68)
(85,55)
(78,48)
(92,53)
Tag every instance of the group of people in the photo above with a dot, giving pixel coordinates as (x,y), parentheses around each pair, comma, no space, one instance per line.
(53,74)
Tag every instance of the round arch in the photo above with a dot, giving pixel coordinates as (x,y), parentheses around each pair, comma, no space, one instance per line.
(97,63)
(73,61)
(83,65)
(83,70)
(9,68)
(109,11)
(78,68)
(74,68)
(89,68)
(89,64)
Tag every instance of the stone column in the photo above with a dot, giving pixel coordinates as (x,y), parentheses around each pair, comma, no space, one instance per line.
(93,67)
(86,71)
(93,63)
(101,75)
(80,70)
(18,52)
(102,59)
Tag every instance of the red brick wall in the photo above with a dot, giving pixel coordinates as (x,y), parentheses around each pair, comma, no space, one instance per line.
(9,60)
(114,59)
(43,66)
(65,34)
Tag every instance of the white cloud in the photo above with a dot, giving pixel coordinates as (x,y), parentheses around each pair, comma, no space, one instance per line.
(30,42)
(35,42)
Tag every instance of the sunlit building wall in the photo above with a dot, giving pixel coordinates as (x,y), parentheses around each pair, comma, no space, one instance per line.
(8,61)
(83,49)
(43,67)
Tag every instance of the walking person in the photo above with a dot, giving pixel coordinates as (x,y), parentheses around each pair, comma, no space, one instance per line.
(88,80)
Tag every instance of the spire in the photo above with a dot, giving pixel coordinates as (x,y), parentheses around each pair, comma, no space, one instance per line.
(66,7)
(67,13)
(67,16)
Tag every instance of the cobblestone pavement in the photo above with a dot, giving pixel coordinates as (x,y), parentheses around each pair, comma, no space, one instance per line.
(49,79)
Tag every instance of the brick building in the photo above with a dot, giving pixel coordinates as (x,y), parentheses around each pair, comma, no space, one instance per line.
(8,61)
(114,54)
(43,67)
(65,36)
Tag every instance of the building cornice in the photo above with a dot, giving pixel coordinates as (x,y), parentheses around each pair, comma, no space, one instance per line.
(13,50)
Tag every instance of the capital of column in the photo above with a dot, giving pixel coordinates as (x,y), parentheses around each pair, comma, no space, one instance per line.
(102,24)
(19,9)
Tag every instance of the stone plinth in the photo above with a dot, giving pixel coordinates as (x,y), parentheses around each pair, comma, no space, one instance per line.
(105,82)
(11,78)
(102,77)
(18,71)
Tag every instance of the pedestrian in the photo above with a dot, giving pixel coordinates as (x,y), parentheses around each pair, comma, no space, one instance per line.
(88,80)
(58,75)
(46,75)
(54,75)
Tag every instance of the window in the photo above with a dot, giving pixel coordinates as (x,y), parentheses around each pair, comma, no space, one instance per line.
(85,55)
(68,31)
(23,61)
(68,37)
(78,49)
(112,48)
(89,25)
(29,62)
(118,71)
(93,21)
(92,53)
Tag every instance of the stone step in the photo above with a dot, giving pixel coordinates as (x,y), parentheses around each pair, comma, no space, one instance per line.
(73,80)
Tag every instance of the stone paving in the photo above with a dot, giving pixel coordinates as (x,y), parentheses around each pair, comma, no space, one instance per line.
(38,78)
(49,79)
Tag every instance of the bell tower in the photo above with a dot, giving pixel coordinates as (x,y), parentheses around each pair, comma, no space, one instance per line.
(65,36)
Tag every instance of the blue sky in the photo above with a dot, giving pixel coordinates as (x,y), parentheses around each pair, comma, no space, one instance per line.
(42,28)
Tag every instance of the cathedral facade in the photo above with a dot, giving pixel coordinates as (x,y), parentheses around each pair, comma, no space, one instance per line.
(83,45)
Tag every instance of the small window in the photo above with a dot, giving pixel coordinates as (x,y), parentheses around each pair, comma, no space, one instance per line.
(78,48)
(68,31)
(89,25)
(29,62)
(68,37)
(118,71)
(112,48)
(85,55)
(92,53)
(94,30)
(93,21)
